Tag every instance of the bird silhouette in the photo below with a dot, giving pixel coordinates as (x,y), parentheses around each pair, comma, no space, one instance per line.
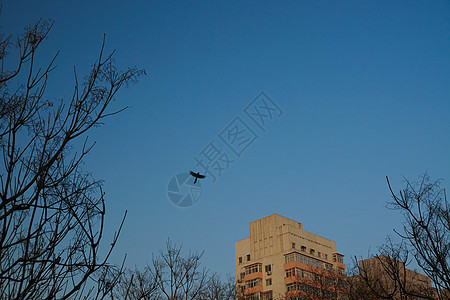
(197,176)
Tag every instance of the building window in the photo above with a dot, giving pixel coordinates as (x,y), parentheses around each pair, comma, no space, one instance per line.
(304,260)
(268,295)
(248,257)
(253,269)
(268,268)
(242,275)
(294,272)
(326,256)
(318,254)
(312,251)
(254,296)
(269,281)
(338,257)
(303,249)
(299,273)
(240,260)
(297,286)
(293,245)
(252,283)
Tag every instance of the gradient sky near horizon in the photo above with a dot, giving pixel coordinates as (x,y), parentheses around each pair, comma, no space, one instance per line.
(363,85)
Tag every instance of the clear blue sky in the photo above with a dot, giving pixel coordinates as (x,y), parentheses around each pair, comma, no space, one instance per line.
(364,87)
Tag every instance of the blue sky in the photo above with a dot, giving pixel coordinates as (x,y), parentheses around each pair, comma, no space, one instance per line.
(363,86)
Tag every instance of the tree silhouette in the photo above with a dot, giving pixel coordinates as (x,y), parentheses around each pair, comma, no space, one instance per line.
(52,212)
(174,275)
(425,239)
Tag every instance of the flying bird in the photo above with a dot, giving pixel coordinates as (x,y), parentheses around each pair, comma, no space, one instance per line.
(197,176)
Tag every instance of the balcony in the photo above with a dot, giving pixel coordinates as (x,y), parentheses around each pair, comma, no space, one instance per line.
(253,276)
(252,290)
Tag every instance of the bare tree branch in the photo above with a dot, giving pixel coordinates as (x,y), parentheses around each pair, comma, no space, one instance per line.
(51,211)
(425,240)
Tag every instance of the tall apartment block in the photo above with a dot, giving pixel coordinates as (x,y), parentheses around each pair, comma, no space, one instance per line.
(280,260)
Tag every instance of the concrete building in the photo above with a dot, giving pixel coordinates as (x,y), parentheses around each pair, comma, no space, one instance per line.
(383,277)
(280,260)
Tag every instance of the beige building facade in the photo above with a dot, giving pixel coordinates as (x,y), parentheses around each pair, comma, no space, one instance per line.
(280,260)
(383,277)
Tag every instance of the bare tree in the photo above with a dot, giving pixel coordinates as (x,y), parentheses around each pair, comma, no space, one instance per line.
(385,276)
(425,239)
(51,212)
(171,276)
(174,276)
(427,227)
(216,289)
(135,285)
(331,284)
(314,283)
(178,277)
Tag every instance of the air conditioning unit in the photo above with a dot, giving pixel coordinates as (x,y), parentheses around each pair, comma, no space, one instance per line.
(269,272)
